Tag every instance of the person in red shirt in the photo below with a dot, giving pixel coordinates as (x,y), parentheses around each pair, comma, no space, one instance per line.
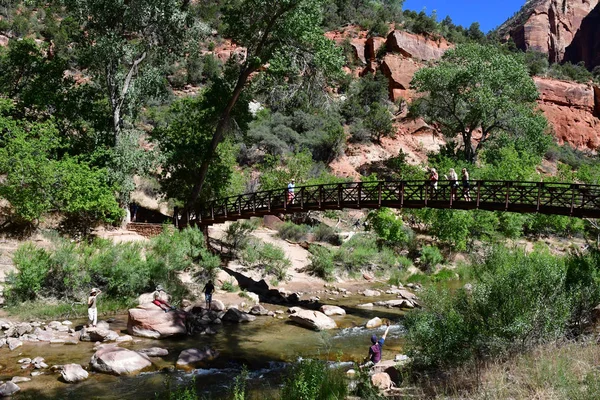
(377,345)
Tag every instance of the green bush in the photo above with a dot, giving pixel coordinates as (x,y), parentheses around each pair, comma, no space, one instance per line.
(390,227)
(268,258)
(237,234)
(313,379)
(293,232)
(518,301)
(327,234)
(123,271)
(321,263)
(431,256)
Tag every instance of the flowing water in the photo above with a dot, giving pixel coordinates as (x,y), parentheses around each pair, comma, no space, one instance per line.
(266,346)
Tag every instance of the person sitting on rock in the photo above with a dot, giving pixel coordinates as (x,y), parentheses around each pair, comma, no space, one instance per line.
(161,299)
(208,290)
(377,345)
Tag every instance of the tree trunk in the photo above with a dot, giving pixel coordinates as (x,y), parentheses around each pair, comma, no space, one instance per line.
(217,137)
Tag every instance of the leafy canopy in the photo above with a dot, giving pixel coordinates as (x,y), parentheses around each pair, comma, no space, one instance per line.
(478,88)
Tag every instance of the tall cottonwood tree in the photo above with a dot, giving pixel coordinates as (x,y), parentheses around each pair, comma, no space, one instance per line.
(272,31)
(124,44)
(476,90)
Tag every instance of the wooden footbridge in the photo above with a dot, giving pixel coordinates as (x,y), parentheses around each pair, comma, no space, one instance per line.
(571,199)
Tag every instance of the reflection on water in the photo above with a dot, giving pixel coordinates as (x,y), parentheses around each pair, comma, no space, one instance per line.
(265,346)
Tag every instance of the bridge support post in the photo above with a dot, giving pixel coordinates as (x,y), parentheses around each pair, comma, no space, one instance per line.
(340,192)
(402,194)
(359,191)
(539,196)
(176,217)
(507,196)
(478,194)
(302,198)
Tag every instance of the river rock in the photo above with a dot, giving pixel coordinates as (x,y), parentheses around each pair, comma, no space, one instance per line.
(53,324)
(19,379)
(118,361)
(8,389)
(98,335)
(381,380)
(13,343)
(373,323)
(407,295)
(67,323)
(23,328)
(154,352)
(192,358)
(44,336)
(235,315)
(258,309)
(294,309)
(217,305)
(124,339)
(332,310)
(254,297)
(399,303)
(2,342)
(24,361)
(366,305)
(73,373)
(5,324)
(371,293)
(148,320)
(313,319)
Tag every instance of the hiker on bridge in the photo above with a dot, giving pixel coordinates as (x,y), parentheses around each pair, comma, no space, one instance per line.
(433,180)
(290,193)
(466,185)
(452,182)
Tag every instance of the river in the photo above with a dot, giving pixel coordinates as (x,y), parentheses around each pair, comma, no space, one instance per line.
(266,346)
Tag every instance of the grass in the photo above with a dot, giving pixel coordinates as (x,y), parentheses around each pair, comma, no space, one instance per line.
(552,371)
(30,310)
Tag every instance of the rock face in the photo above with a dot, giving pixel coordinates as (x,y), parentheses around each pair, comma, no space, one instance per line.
(73,373)
(148,320)
(549,26)
(118,361)
(573,110)
(313,320)
(399,70)
(416,46)
(586,43)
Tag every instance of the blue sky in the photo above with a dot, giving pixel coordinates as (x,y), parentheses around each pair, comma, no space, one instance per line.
(489,13)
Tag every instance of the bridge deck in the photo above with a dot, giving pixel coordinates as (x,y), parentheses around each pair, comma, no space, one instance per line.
(569,199)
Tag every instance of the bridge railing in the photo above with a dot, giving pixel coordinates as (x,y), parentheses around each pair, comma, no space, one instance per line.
(545,197)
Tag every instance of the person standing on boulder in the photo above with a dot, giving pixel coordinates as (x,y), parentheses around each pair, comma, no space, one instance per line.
(377,345)
(92,306)
(208,290)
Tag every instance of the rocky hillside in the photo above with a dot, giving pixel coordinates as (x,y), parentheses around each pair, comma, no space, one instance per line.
(573,109)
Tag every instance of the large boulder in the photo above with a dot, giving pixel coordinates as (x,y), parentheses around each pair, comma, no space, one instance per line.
(149,320)
(400,71)
(313,319)
(258,309)
(192,358)
(118,361)
(13,343)
(73,373)
(236,316)
(332,310)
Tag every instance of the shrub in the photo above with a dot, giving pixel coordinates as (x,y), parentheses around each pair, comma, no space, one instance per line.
(32,265)
(267,257)
(229,286)
(321,262)
(237,234)
(518,301)
(327,234)
(431,256)
(390,227)
(313,379)
(292,232)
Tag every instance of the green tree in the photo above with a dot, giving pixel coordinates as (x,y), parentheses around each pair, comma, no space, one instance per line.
(124,44)
(271,31)
(478,88)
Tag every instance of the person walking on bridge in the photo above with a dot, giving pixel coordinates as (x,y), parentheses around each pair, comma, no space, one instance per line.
(290,193)
(466,185)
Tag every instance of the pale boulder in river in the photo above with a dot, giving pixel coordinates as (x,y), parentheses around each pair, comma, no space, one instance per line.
(313,319)
(149,320)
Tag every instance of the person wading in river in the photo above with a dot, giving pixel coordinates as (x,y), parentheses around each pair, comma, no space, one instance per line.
(92,306)
(375,350)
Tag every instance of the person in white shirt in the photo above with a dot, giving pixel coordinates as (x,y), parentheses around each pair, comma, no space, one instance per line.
(291,195)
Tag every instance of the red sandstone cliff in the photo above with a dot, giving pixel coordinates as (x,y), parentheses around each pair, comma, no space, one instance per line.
(548,26)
